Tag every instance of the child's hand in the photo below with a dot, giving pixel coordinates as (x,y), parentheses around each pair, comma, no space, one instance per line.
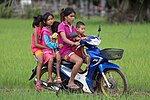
(76,43)
(82,38)
(77,38)
(60,45)
(53,40)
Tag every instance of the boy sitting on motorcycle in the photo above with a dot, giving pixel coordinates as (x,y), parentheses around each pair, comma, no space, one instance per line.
(80,29)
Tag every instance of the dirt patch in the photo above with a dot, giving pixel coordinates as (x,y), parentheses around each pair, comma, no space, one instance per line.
(140,93)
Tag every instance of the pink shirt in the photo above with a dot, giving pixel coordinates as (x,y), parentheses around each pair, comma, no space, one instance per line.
(63,27)
(46,31)
(39,37)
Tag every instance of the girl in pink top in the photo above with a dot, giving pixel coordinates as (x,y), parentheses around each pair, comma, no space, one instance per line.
(64,29)
(49,53)
(36,46)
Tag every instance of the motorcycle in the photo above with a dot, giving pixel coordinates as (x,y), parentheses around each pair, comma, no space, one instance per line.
(101,76)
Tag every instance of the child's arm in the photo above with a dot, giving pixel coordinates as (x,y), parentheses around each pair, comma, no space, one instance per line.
(47,41)
(60,46)
(54,53)
(63,35)
(83,36)
(36,40)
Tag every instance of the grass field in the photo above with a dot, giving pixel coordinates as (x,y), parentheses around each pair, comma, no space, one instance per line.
(16,60)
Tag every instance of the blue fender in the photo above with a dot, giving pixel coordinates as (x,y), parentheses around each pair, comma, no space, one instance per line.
(107,65)
(89,83)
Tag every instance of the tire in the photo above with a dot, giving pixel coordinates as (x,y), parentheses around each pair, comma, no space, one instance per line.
(44,75)
(117,81)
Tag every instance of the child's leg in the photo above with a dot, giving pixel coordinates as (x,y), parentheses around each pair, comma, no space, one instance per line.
(39,56)
(50,63)
(78,62)
(58,61)
(87,60)
(39,66)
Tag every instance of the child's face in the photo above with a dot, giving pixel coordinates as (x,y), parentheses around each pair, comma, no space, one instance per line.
(70,18)
(81,29)
(49,21)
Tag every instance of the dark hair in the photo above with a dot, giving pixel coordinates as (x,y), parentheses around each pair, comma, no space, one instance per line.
(79,23)
(37,20)
(65,12)
(55,26)
(46,15)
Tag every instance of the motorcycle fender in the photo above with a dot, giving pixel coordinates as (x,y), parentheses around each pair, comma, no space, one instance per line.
(33,73)
(107,65)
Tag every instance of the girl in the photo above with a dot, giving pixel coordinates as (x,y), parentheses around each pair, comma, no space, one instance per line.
(64,29)
(48,20)
(36,46)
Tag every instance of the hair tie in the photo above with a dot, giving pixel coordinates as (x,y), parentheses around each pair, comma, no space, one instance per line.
(63,9)
(35,17)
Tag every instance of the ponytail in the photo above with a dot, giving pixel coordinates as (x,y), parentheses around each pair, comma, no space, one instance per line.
(37,20)
(62,17)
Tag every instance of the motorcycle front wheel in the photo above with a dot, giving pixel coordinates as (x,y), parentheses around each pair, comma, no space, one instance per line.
(117,80)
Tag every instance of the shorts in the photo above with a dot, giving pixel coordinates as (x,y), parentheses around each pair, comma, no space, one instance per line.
(68,56)
(47,56)
(38,52)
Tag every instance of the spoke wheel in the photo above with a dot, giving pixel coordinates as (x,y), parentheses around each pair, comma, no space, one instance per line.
(116,79)
(44,75)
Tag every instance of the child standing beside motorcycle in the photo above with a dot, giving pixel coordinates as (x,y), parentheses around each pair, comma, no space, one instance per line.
(36,46)
(48,20)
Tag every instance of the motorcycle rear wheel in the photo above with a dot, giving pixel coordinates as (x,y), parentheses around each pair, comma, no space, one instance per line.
(117,80)
(44,76)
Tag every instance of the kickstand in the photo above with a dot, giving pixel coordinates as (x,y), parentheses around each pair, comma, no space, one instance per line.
(57,92)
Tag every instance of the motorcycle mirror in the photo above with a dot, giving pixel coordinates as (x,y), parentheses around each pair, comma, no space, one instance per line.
(99,29)
(73,34)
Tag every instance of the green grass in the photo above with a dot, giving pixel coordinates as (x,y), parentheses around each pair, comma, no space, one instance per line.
(16,60)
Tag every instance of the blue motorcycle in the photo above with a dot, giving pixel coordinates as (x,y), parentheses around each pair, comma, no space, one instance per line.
(101,76)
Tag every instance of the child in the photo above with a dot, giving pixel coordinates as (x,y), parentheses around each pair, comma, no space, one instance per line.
(48,20)
(80,29)
(36,46)
(54,38)
(54,30)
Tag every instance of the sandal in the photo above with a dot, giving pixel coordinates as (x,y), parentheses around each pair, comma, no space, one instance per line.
(49,83)
(58,80)
(38,87)
(73,86)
